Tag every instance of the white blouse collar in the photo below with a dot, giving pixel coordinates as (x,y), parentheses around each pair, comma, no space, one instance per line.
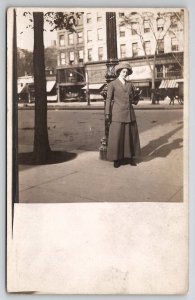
(122,80)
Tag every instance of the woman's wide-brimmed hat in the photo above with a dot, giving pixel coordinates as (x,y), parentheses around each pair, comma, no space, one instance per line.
(123,66)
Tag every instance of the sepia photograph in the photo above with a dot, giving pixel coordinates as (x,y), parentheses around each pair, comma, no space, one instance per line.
(97,104)
(67,121)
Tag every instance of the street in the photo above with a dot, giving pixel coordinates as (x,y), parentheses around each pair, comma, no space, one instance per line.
(82,130)
(85,178)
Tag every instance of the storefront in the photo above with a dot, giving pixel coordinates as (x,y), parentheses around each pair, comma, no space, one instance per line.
(71,80)
(94,91)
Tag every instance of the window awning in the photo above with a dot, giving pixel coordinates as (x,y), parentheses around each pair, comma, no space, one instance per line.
(50,85)
(52,98)
(93,86)
(22,89)
(168,84)
(140,73)
(138,84)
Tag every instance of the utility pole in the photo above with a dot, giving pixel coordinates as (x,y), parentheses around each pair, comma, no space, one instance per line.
(58,93)
(15,193)
(112,61)
(87,88)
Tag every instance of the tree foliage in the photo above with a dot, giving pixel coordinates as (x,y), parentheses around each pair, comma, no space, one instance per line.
(24,62)
(57,20)
(51,57)
(61,20)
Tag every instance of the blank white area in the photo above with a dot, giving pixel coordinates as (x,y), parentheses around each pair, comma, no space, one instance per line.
(107,248)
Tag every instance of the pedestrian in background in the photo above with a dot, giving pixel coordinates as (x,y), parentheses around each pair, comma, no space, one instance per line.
(123,139)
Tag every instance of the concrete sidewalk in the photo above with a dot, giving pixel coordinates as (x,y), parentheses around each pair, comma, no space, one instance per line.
(143,104)
(86,178)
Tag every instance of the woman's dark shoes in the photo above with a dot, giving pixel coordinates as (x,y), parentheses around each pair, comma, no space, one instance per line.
(116,164)
(133,162)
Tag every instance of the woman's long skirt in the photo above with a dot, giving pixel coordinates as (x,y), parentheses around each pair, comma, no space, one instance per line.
(123,141)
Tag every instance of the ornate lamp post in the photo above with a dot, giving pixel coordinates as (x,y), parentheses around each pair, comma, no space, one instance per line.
(112,61)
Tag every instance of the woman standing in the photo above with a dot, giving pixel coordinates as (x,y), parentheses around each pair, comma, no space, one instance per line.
(123,140)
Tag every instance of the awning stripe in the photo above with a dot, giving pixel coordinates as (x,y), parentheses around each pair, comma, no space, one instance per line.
(52,98)
(93,86)
(168,84)
(22,89)
(50,85)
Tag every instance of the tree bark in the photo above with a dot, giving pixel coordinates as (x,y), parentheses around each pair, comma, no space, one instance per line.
(41,141)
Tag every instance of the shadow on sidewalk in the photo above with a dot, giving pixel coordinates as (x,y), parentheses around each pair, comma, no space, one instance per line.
(55,157)
(161,147)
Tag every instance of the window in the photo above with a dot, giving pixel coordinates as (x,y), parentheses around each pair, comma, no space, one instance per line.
(173,70)
(100,34)
(122,31)
(80,20)
(123,50)
(146,26)
(70,39)
(134,27)
(147,46)
(100,53)
(174,26)
(160,46)
(71,57)
(80,75)
(80,37)
(62,58)
(174,44)
(174,22)
(159,71)
(135,49)
(80,56)
(121,15)
(61,40)
(89,19)
(160,24)
(71,76)
(99,17)
(89,35)
(89,54)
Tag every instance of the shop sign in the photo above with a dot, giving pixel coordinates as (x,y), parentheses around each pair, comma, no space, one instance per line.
(139,73)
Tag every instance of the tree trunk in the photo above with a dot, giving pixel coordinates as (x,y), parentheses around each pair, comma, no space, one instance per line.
(41,142)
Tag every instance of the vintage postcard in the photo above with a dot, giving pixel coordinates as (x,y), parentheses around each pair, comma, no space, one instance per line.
(97,150)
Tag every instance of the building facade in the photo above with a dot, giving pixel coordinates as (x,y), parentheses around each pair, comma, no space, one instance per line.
(141,38)
(26,90)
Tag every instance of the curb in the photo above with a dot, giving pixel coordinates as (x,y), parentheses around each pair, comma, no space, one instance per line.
(151,107)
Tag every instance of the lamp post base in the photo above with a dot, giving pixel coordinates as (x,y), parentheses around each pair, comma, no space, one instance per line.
(103,149)
(103,152)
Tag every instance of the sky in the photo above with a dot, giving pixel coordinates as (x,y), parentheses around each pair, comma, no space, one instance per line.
(25,36)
